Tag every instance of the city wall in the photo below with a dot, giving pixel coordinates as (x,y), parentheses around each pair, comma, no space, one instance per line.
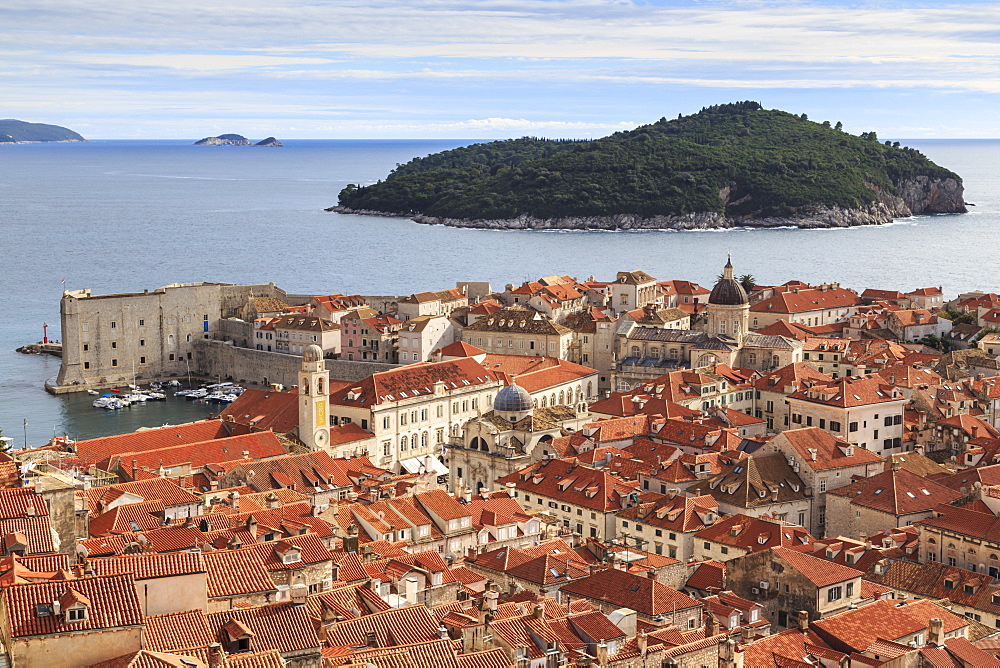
(215,359)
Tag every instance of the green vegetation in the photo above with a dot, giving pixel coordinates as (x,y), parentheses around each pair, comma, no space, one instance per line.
(738,159)
(23,131)
(957,317)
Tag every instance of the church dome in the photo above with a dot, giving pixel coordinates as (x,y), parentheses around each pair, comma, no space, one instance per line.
(728,291)
(513,399)
(312,353)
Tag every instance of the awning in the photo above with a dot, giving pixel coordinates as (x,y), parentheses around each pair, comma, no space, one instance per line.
(413,465)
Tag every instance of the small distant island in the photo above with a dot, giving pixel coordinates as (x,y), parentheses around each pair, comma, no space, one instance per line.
(729,165)
(13,131)
(235,140)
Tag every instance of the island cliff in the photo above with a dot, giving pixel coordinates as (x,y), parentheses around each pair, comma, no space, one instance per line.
(726,166)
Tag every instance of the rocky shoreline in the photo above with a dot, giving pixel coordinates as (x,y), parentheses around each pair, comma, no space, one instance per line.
(921,195)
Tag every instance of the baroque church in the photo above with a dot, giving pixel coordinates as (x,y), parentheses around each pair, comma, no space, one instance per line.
(722,337)
(506,439)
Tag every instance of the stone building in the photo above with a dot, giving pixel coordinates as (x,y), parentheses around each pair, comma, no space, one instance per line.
(824,462)
(891,499)
(782,580)
(520,331)
(632,289)
(114,338)
(514,434)
(723,338)
(416,410)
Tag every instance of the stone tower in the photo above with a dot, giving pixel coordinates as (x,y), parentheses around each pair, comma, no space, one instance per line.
(314,387)
(728,310)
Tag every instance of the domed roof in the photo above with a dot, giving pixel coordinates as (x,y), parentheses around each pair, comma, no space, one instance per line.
(728,292)
(513,399)
(312,353)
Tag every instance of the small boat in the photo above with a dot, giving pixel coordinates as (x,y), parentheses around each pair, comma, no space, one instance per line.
(173,383)
(156,396)
(93,392)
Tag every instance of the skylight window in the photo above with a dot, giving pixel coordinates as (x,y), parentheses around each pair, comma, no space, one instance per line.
(878,491)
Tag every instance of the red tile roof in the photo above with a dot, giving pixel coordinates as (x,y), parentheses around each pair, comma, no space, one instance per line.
(95,449)
(803,301)
(113,603)
(850,392)
(640,593)
(284,627)
(151,489)
(820,572)
(572,483)
(859,629)
(265,409)
(897,493)
(257,445)
(151,566)
(820,450)
(754,534)
(399,626)
(411,381)
(177,630)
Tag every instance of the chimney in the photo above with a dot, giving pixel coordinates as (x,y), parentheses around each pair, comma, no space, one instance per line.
(746,634)
(411,590)
(371,640)
(640,643)
(467,495)
(935,631)
(711,625)
(511,489)
(215,655)
(803,621)
(602,654)
(442,632)
(537,611)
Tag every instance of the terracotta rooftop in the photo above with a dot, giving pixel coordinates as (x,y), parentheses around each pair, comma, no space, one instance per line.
(897,493)
(640,593)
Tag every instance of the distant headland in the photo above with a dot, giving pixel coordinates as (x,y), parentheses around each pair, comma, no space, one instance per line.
(235,140)
(729,165)
(13,131)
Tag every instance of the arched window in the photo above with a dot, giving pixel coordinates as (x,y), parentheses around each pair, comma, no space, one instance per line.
(402,442)
(545,402)
(590,389)
(562,397)
(320,387)
(423,440)
(552,399)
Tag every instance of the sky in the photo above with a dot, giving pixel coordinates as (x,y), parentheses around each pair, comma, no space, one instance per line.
(492,68)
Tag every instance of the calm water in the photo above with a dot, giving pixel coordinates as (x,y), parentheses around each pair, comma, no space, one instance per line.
(122,216)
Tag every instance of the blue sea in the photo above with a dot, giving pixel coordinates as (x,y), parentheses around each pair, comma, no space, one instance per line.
(128,215)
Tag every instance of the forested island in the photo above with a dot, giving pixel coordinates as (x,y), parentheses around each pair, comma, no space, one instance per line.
(728,165)
(13,131)
(235,140)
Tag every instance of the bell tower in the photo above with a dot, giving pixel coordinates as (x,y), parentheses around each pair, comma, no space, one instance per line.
(314,387)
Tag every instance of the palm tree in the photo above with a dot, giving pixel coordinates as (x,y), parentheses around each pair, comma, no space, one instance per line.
(748,282)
